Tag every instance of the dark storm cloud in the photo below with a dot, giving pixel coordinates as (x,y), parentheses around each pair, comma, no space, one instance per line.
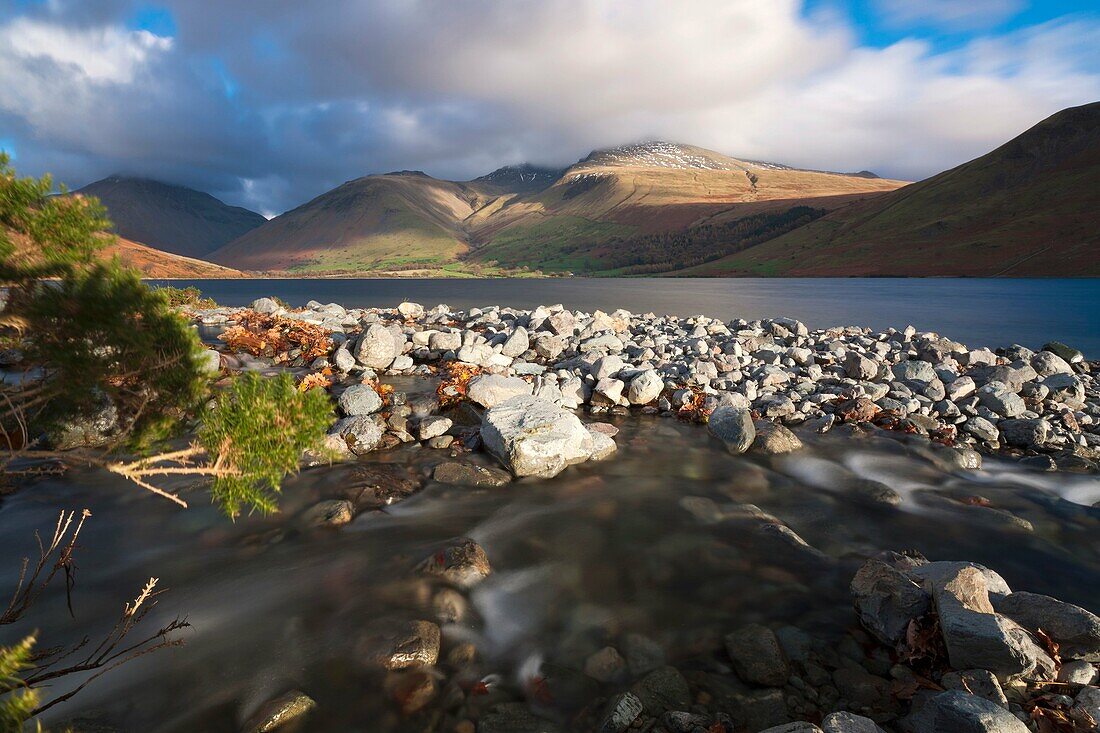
(267,104)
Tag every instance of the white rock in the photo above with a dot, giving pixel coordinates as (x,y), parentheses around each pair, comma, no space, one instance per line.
(532,437)
(645,388)
(489,390)
(376,347)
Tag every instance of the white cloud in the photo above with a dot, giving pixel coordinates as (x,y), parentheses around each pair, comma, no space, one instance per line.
(102,54)
(458,88)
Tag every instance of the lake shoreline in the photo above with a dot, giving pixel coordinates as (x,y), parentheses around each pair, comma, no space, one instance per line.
(1038,407)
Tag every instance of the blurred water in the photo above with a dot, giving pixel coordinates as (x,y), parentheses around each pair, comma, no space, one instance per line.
(670,538)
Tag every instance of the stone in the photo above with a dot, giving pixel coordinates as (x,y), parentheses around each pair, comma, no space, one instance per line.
(607,343)
(209,362)
(733,426)
(959,388)
(959,712)
(410,311)
(887,600)
(489,390)
(844,722)
(642,654)
(796,727)
(610,389)
(976,636)
(774,439)
(1076,630)
(359,399)
(402,645)
(533,437)
(470,474)
(445,341)
(561,323)
(1088,702)
(645,388)
(603,445)
(343,359)
(937,572)
(1025,433)
(1078,672)
(980,682)
(462,563)
(376,347)
(517,342)
(433,427)
(998,398)
(662,689)
(622,710)
(1065,387)
(606,366)
(1067,353)
(549,347)
(329,513)
(757,656)
(857,366)
(277,712)
(1046,363)
(914,371)
(982,429)
(361,433)
(605,665)
(265,305)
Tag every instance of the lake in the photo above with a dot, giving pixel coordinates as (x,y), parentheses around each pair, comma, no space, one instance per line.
(977,312)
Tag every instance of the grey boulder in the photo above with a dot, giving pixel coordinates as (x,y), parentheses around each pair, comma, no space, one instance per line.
(733,426)
(533,437)
(960,712)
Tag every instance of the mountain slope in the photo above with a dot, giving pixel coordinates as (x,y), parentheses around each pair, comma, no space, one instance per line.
(395,219)
(170,218)
(1030,207)
(580,219)
(157,264)
(585,220)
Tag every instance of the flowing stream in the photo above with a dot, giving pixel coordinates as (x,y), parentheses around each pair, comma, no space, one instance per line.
(671,538)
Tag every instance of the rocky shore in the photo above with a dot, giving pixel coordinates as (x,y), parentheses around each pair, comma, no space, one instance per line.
(932,646)
(758,384)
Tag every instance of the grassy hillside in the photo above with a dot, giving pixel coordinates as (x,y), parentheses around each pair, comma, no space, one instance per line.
(370,223)
(171,218)
(523,218)
(1030,207)
(156,264)
(606,208)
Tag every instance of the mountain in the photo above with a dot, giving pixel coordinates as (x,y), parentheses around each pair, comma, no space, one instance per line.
(1030,207)
(587,218)
(523,178)
(611,204)
(170,218)
(390,220)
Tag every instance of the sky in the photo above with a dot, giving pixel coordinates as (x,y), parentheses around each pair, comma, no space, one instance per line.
(268,104)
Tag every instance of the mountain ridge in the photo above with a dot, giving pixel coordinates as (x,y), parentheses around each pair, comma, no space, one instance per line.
(414,220)
(1028,207)
(169,217)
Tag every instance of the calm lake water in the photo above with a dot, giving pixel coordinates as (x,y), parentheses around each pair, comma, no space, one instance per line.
(978,312)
